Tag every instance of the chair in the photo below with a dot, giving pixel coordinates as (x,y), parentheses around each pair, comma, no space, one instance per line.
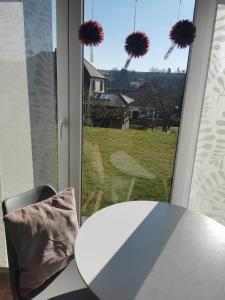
(66,284)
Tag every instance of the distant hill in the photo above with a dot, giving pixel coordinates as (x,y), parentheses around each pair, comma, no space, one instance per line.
(148,88)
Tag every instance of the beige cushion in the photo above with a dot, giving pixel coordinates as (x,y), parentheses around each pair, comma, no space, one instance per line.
(43,237)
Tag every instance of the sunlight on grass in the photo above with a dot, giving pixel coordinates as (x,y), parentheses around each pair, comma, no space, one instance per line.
(122,165)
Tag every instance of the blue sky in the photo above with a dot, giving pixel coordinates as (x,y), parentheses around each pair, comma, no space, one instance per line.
(154,17)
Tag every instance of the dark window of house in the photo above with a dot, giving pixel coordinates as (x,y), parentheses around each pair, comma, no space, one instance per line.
(101,85)
(93,85)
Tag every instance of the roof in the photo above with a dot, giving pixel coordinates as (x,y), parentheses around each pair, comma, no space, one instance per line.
(127,99)
(92,71)
(107,99)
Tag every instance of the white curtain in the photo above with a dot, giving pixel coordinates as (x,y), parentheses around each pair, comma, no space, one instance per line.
(208,183)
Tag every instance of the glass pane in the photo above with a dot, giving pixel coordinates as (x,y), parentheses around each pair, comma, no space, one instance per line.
(208,182)
(28,106)
(131,117)
(41,75)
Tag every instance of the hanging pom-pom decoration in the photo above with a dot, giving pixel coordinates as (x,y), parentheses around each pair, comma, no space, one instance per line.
(137,44)
(91,33)
(183,33)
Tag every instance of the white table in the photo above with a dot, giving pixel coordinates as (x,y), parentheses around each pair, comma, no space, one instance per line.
(152,251)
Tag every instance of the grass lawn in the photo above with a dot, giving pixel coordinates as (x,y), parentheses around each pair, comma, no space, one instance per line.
(122,165)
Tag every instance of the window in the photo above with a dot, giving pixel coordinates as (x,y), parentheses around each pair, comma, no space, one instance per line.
(128,153)
(93,85)
(101,85)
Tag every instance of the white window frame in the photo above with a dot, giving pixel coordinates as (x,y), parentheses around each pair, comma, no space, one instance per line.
(69,84)
(62,9)
(204,19)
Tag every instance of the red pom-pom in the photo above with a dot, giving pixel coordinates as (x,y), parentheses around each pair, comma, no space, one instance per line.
(183,33)
(137,44)
(91,33)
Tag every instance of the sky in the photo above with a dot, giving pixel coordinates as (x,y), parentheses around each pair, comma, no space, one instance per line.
(154,17)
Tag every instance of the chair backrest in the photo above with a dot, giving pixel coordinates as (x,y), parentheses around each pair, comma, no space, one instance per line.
(8,205)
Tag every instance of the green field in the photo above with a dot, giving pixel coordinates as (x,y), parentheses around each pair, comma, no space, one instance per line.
(122,165)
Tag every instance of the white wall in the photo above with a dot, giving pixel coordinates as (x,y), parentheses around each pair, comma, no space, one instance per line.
(15,136)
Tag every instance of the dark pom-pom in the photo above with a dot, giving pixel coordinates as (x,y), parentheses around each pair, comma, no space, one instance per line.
(183,33)
(137,44)
(91,33)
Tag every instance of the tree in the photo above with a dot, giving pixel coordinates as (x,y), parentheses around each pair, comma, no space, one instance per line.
(162,99)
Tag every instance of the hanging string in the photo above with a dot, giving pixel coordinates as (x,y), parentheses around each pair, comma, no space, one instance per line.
(135,14)
(171,48)
(178,14)
(92,9)
(92,48)
(135,17)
